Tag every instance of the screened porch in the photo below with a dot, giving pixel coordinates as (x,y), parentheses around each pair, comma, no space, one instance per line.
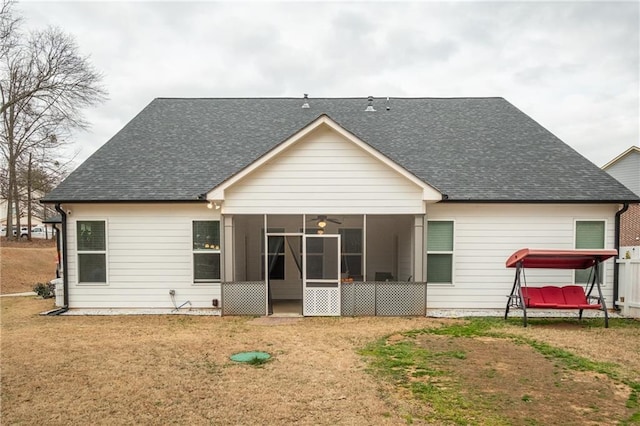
(324,265)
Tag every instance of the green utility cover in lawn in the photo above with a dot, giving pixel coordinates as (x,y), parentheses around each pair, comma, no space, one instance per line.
(250,356)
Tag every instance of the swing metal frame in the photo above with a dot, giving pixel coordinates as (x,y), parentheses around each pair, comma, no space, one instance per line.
(558,259)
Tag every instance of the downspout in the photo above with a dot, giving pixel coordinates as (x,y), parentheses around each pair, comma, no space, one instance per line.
(65,275)
(616,268)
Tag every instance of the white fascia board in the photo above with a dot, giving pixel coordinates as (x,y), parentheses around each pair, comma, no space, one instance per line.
(429,193)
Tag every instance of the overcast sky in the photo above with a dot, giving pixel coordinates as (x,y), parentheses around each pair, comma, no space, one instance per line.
(572,66)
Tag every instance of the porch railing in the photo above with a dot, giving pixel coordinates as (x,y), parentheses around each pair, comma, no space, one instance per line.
(370,298)
(629,287)
(384,298)
(244,298)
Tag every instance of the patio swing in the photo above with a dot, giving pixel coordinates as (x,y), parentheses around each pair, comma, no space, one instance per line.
(567,297)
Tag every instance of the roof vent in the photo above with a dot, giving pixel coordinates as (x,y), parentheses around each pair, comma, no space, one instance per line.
(370,105)
(306,101)
(388,104)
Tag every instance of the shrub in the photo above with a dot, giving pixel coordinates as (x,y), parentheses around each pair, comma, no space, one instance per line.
(45,290)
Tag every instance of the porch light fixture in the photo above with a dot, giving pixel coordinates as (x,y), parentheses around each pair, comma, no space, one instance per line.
(322,223)
(213,204)
(320,231)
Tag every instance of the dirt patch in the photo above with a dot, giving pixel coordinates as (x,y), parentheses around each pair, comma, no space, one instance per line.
(620,346)
(275,320)
(24,264)
(524,386)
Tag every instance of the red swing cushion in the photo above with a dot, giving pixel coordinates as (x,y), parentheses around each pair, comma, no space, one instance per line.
(533,298)
(552,297)
(574,297)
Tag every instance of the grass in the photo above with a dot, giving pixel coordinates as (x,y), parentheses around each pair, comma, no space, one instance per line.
(404,361)
(23,264)
(386,371)
(401,361)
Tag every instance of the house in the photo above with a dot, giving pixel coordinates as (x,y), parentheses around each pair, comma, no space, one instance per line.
(39,215)
(626,169)
(326,206)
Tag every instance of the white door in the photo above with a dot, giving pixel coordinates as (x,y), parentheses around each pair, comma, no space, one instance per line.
(321,275)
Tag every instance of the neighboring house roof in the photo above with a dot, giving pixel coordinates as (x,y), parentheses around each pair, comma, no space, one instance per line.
(477,149)
(621,156)
(626,169)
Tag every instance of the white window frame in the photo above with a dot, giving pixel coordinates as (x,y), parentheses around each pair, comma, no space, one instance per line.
(103,252)
(603,265)
(451,252)
(206,282)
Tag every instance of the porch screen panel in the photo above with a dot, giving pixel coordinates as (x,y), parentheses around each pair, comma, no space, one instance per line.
(439,251)
(351,240)
(589,235)
(276,254)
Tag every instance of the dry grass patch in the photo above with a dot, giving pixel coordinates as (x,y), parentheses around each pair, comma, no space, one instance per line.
(23,264)
(176,369)
(158,369)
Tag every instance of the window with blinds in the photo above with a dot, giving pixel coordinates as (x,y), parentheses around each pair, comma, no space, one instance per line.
(206,251)
(92,251)
(440,251)
(589,235)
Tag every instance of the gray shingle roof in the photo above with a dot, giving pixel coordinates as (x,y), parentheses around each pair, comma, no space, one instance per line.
(480,149)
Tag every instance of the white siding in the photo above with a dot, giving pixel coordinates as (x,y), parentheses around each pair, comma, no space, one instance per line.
(486,235)
(149,252)
(324,173)
(627,171)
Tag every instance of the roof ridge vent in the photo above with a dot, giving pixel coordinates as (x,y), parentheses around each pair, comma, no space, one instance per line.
(370,105)
(306,101)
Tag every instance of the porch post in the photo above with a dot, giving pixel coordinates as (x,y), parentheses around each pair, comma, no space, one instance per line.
(418,249)
(227,249)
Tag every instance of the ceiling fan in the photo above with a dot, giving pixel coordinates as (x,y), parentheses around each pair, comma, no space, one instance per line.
(322,221)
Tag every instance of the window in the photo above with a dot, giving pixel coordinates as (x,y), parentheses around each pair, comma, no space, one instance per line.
(92,252)
(351,242)
(276,254)
(589,235)
(440,252)
(206,251)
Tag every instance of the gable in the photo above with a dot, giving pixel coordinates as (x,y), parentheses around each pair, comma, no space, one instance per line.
(324,169)
(626,169)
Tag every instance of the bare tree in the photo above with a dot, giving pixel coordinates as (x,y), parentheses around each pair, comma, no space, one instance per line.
(44,86)
(8,26)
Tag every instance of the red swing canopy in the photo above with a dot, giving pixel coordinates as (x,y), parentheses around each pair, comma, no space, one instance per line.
(559,259)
